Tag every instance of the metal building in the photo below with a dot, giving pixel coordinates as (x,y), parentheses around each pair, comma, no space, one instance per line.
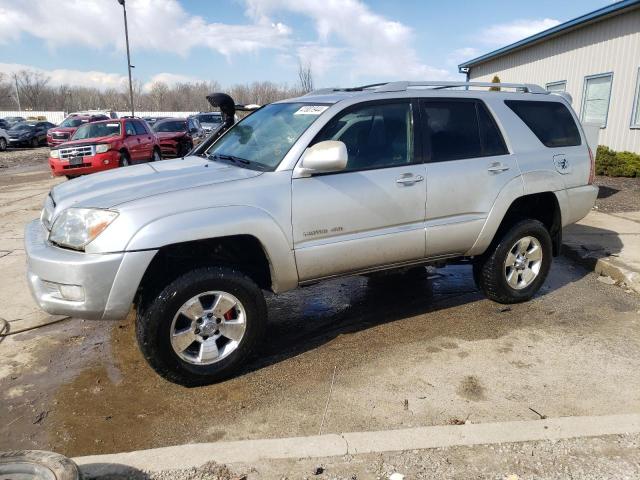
(595,58)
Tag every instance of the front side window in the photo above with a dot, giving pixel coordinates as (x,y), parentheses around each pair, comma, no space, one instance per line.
(129,129)
(262,139)
(595,99)
(376,136)
(551,122)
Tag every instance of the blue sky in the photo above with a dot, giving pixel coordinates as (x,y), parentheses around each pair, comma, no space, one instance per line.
(346,42)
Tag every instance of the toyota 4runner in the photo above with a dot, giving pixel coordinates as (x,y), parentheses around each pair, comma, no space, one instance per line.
(337,182)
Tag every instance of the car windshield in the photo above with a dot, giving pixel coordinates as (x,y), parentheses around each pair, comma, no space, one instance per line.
(95,130)
(209,119)
(171,126)
(23,126)
(73,122)
(265,136)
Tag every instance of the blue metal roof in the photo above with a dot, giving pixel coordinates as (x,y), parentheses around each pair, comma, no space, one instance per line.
(596,15)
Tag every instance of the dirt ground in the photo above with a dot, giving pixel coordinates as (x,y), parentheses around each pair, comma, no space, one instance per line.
(618,194)
(405,352)
(22,158)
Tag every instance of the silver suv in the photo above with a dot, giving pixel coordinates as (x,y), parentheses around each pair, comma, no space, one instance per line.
(337,182)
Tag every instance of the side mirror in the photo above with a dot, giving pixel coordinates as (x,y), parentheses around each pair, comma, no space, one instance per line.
(325,157)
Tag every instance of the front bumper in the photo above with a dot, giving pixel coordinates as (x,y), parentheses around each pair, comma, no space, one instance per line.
(90,164)
(109,281)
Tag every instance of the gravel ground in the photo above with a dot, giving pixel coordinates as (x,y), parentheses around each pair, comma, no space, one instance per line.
(606,457)
(14,158)
(618,194)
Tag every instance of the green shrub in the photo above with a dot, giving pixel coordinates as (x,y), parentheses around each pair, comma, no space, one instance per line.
(617,164)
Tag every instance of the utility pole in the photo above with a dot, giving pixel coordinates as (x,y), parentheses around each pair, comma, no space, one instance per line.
(126,37)
(15,79)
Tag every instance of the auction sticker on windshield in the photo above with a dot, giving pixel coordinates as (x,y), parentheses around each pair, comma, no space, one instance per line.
(311,110)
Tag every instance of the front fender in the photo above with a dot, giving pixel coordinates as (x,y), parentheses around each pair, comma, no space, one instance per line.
(223,222)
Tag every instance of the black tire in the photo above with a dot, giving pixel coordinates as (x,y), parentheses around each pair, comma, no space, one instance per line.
(34,462)
(3,144)
(489,268)
(154,318)
(156,155)
(124,161)
(34,143)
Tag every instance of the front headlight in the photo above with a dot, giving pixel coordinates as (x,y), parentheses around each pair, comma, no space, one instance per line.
(54,153)
(102,147)
(76,227)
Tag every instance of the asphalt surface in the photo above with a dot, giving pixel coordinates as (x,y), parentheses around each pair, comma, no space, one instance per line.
(406,351)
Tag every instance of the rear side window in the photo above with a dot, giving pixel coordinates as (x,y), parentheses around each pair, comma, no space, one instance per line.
(460,129)
(551,122)
(140,130)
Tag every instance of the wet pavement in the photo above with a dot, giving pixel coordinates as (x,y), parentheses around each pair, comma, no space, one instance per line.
(406,351)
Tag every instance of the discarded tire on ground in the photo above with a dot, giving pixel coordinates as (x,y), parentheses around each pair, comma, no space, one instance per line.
(37,465)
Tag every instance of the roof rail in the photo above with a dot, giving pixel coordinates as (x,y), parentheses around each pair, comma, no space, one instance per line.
(436,85)
(403,86)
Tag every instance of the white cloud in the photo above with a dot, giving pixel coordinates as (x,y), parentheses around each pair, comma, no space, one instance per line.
(169,79)
(160,25)
(506,33)
(370,45)
(61,76)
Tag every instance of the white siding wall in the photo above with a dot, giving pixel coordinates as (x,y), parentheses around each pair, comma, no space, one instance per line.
(611,45)
(57,117)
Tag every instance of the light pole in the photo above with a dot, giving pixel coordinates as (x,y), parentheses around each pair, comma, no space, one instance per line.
(15,78)
(126,37)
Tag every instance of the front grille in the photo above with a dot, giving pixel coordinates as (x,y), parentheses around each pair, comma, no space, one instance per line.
(80,151)
(59,135)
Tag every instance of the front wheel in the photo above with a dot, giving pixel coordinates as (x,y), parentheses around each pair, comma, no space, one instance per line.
(514,268)
(155,156)
(3,144)
(35,143)
(124,159)
(203,327)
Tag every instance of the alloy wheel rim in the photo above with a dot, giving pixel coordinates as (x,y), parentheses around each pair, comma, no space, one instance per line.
(208,327)
(523,263)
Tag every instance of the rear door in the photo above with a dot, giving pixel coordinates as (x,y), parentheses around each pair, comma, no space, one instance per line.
(145,140)
(371,213)
(468,164)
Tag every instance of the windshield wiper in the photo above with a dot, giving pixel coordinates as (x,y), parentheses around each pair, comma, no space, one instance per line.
(230,158)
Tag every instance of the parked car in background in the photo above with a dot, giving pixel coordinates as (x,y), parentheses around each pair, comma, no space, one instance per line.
(13,120)
(4,139)
(107,113)
(152,120)
(29,133)
(4,124)
(69,125)
(104,145)
(177,136)
(209,120)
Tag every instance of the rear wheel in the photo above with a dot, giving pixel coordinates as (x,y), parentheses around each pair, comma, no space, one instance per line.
(514,268)
(124,161)
(203,326)
(3,144)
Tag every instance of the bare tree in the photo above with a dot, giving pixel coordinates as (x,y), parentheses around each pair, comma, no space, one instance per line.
(305,76)
(31,86)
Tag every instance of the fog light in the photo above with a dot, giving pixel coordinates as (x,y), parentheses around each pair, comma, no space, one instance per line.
(106,162)
(75,293)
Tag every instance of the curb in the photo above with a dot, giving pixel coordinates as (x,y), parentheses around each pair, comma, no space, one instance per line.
(331,445)
(606,266)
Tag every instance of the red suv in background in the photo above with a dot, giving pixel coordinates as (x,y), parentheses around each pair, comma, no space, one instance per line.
(63,132)
(103,145)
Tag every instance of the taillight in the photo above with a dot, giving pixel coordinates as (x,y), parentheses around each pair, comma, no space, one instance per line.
(592,169)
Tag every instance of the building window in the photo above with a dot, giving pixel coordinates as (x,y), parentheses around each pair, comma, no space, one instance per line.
(557,86)
(595,98)
(635,116)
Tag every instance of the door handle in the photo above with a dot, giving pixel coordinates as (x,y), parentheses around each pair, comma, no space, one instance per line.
(498,167)
(409,179)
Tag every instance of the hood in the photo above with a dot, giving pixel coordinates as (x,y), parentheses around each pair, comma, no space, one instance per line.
(121,185)
(168,135)
(21,132)
(63,129)
(87,141)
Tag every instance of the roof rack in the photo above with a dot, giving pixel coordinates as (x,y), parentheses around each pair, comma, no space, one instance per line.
(435,85)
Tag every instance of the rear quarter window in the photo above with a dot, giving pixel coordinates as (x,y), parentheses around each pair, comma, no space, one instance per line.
(551,122)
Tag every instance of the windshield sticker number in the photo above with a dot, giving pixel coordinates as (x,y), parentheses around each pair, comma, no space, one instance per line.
(311,110)
(112,124)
